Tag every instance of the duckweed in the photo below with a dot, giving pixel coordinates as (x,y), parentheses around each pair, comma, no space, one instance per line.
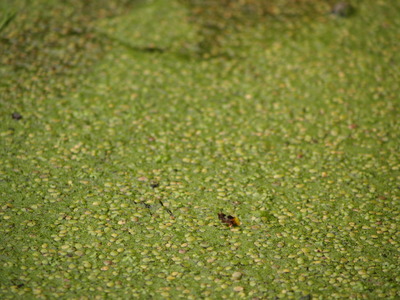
(120,145)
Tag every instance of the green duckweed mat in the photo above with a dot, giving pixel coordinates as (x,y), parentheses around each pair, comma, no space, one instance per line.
(125,131)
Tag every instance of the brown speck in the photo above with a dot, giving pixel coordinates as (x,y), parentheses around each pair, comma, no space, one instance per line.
(16,116)
(154,184)
(229,220)
(342,9)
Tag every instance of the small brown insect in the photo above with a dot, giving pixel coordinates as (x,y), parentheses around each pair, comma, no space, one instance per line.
(229,220)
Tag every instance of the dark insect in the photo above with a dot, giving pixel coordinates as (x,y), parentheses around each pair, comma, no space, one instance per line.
(229,220)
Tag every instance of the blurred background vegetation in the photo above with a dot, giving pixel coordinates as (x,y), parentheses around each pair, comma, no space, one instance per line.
(50,39)
(218,20)
(56,39)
